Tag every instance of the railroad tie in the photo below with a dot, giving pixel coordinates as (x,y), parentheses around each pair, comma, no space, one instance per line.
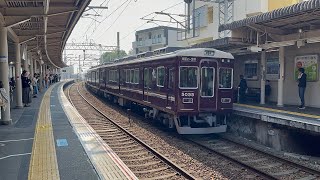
(291,171)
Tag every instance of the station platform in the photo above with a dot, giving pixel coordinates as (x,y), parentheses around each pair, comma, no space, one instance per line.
(306,119)
(50,140)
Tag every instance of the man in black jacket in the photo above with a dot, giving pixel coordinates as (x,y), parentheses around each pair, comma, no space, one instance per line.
(242,89)
(302,79)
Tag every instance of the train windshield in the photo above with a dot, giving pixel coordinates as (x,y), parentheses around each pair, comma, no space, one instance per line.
(188,77)
(207,81)
(226,78)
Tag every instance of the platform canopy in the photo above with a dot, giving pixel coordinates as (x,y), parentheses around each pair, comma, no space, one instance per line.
(44,25)
(287,20)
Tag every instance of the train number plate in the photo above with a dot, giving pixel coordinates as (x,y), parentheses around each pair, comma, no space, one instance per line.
(187,94)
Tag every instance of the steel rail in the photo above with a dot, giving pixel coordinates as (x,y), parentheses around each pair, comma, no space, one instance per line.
(275,157)
(180,170)
(292,164)
(263,174)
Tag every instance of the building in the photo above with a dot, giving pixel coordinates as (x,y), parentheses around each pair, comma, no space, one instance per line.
(155,38)
(272,46)
(209,16)
(68,72)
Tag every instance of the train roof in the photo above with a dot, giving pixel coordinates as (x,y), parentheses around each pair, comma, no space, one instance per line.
(196,52)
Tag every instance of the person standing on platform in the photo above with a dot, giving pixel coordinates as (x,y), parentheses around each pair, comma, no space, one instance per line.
(46,80)
(267,91)
(26,94)
(302,84)
(12,85)
(35,85)
(242,89)
(4,98)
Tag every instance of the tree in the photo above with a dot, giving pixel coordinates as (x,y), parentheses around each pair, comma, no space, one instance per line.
(110,56)
(131,52)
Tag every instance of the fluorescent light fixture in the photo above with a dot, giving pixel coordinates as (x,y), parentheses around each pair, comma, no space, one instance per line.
(313,40)
(278,44)
(255,49)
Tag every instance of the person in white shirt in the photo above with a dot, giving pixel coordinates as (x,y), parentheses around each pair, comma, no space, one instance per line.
(35,85)
(4,98)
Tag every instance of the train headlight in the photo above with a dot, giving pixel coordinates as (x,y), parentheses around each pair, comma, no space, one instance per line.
(225,100)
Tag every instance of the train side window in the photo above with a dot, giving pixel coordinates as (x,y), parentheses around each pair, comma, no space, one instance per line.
(97,77)
(147,77)
(171,78)
(111,75)
(116,76)
(92,77)
(188,77)
(127,76)
(136,76)
(102,76)
(226,78)
(160,76)
(131,75)
(207,82)
(122,76)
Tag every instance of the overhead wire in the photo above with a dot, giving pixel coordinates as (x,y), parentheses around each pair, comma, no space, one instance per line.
(133,31)
(151,18)
(92,21)
(110,15)
(116,19)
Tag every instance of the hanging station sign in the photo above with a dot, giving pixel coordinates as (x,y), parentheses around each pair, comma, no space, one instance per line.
(310,65)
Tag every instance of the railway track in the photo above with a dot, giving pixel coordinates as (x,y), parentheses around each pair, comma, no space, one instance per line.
(270,166)
(144,161)
(264,165)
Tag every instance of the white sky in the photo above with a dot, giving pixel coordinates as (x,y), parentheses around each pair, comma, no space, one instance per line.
(127,23)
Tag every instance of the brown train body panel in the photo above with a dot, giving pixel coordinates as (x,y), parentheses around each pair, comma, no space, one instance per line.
(164,97)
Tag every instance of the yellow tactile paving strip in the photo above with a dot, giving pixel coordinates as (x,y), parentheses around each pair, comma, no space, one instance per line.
(43,162)
(279,111)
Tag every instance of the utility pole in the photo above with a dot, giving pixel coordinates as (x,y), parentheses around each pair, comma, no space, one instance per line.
(79,67)
(84,56)
(118,44)
(194,19)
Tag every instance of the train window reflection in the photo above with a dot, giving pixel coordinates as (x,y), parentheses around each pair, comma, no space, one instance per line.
(188,77)
(226,78)
(171,78)
(131,75)
(128,76)
(147,77)
(160,76)
(207,82)
(136,76)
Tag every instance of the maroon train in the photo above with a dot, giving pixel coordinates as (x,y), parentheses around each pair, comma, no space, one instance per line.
(190,90)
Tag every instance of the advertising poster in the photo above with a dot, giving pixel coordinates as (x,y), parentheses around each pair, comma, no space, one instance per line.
(272,71)
(310,65)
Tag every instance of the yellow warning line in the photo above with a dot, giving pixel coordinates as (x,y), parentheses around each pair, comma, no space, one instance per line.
(279,111)
(43,162)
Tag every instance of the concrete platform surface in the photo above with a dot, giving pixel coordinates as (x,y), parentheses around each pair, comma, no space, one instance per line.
(39,137)
(308,119)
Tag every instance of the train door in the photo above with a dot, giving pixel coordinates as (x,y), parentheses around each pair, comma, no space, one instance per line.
(171,87)
(146,84)
(207,99)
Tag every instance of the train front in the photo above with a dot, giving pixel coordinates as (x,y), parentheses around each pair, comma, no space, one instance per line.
(205,92)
